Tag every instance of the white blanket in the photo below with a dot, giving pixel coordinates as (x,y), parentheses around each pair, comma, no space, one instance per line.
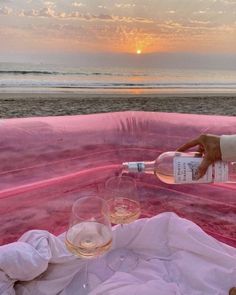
(175,257)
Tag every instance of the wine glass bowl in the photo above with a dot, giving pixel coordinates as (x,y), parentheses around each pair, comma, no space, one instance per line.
(89,233)
(122,199)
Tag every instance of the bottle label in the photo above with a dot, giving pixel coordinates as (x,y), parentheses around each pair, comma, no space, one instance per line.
(221,171)
(185,170)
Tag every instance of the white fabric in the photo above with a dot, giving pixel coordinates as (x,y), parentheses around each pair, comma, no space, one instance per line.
(175,257)
(228,147)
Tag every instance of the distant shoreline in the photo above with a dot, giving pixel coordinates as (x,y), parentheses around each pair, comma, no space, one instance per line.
(111,94)
(59,104)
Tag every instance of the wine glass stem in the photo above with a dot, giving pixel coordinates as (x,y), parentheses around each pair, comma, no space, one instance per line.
(122,257)
(85,284)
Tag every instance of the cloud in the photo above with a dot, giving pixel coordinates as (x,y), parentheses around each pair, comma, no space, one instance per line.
(229,1)
(123,5)
(49,3)
(44,12)
(5,10)
(50,12)
(104,17)
(201,23)
(78,4)
(200,12)
(31,12)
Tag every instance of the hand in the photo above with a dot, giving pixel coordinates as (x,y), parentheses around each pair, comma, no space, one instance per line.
(208,147)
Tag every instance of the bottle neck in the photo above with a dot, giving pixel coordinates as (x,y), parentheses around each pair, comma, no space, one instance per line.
(138,167)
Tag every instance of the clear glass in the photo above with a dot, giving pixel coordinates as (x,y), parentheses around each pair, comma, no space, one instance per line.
(89,233)
(124,207)
(122,199)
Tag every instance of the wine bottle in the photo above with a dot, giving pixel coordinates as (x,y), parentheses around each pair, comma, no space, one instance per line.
(182,168)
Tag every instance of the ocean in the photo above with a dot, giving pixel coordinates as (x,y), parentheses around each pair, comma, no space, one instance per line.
(46,78)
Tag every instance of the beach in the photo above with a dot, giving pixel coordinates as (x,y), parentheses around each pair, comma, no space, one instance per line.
(31,89)
(15,105)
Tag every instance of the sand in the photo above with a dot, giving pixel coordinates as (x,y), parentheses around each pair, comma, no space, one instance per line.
(59,104)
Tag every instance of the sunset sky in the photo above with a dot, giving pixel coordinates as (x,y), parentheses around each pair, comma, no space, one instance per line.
(36,29)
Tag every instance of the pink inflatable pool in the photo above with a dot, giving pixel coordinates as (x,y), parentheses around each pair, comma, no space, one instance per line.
(47,163)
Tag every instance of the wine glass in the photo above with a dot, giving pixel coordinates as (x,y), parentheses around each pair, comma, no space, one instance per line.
(124,207)
(89,233)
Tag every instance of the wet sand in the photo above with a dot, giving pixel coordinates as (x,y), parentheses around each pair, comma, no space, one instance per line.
(59,104)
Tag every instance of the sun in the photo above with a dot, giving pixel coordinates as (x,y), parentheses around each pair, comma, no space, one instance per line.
(138,51)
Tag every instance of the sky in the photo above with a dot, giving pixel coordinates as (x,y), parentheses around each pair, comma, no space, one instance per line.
(116,30)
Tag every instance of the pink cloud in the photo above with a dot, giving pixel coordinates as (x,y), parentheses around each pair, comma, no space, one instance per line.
(5,10)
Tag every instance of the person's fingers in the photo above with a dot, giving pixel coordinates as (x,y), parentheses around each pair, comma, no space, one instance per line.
(200,151)
(188,145)
(203,167)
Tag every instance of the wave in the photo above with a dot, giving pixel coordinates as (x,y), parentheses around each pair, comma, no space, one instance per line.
(42,72)
(113,85)
(22,72)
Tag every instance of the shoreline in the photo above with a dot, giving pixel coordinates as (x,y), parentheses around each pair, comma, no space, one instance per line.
(107,93)
(14,105)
